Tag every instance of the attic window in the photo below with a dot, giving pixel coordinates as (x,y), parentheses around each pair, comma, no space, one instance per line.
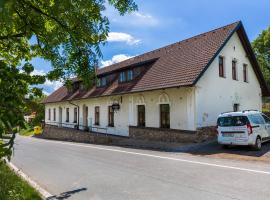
(234,70)
(221,66)
(126,76)
(101,82)
(245,73)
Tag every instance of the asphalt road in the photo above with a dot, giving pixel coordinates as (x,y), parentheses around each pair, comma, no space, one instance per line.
(86,171)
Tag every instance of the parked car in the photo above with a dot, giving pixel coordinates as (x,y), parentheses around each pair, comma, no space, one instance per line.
(248,127)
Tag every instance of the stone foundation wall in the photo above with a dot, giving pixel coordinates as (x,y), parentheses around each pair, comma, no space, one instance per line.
(171,135)
(69,134)
(137,133)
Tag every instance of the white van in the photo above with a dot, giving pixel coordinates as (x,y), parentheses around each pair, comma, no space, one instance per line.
(248,127)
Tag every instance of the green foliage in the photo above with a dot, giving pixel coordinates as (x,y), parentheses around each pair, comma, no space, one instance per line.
(14,188)
(14,86)
(35,104)
(261,47)
(67,33)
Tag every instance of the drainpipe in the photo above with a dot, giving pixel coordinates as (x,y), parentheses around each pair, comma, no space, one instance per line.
(78,114)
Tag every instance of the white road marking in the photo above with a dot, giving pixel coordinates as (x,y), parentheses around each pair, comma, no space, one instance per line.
(160,157)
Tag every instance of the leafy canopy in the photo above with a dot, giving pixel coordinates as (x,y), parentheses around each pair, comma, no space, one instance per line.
(261,46)
(68,33)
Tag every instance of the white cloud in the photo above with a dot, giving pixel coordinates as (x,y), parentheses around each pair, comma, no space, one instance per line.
(133,19)
(122,37)
(144,19)
(54,85)
(38,72)
(115,59)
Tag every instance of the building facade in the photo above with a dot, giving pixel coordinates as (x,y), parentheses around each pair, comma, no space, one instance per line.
(183,86)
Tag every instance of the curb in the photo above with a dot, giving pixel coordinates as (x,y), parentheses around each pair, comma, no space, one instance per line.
(44,194)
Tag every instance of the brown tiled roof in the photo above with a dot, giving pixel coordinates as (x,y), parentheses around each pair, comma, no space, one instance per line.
(175,65)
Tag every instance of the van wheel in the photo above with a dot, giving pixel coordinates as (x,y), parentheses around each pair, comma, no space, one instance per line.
(258,144)
(225,146)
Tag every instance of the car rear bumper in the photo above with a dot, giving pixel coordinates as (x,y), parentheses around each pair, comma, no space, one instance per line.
(236,141)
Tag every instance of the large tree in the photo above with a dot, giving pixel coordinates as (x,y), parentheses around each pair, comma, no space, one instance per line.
(261,46)
(68,33)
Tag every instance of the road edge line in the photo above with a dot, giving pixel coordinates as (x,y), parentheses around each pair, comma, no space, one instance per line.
(44,194)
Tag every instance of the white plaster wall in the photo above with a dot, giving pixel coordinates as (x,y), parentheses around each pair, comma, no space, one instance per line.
(215,94)
(182,114)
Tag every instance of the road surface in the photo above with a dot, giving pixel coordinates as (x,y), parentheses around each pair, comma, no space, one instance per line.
(86,171)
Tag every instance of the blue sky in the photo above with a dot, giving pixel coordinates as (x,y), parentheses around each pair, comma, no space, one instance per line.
(161,22)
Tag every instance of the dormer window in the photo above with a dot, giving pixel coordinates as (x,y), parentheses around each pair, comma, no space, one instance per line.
(126,76)
(130,75)
(101,82)
(82,87)
(123,77)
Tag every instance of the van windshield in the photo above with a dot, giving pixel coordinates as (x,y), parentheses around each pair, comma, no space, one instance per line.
(232,121)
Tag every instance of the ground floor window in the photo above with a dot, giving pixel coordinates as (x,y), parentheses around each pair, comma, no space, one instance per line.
(75,115)
(49,118)
(67,114)
(97,115)
(164,115)
(54,114)
(141,115)
(235,107)
(110,116)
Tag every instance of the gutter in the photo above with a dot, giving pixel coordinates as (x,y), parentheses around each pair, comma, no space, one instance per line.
(78,114)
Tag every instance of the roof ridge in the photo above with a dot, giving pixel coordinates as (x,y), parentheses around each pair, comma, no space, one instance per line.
(167,46)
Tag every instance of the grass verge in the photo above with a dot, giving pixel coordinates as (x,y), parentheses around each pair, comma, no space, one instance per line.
(26,132)
(13,187)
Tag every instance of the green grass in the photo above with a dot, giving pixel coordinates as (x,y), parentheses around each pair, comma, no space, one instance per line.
(13,187)
(26,132)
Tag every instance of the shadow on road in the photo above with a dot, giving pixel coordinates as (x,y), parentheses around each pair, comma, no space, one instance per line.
(66,195)
(215,148)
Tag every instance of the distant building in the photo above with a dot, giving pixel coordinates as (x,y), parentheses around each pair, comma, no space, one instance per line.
(182,86)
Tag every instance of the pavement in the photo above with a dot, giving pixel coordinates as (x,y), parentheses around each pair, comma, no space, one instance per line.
(86,171)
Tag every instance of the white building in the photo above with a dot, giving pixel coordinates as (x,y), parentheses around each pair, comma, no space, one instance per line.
(183,86)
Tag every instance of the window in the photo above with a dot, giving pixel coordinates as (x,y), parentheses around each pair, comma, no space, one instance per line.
(98,82)
(164,116)
(141,115)
(130,75)
(266,119)
(75,115)
(234,71)
(126,76)
(97,115)
(232,121)
(122,77)
(49,117)
(67,114)
(235,107)
(101,82)
(221,67)
(54,114)
(256,119)
(245,78)
(110,117)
